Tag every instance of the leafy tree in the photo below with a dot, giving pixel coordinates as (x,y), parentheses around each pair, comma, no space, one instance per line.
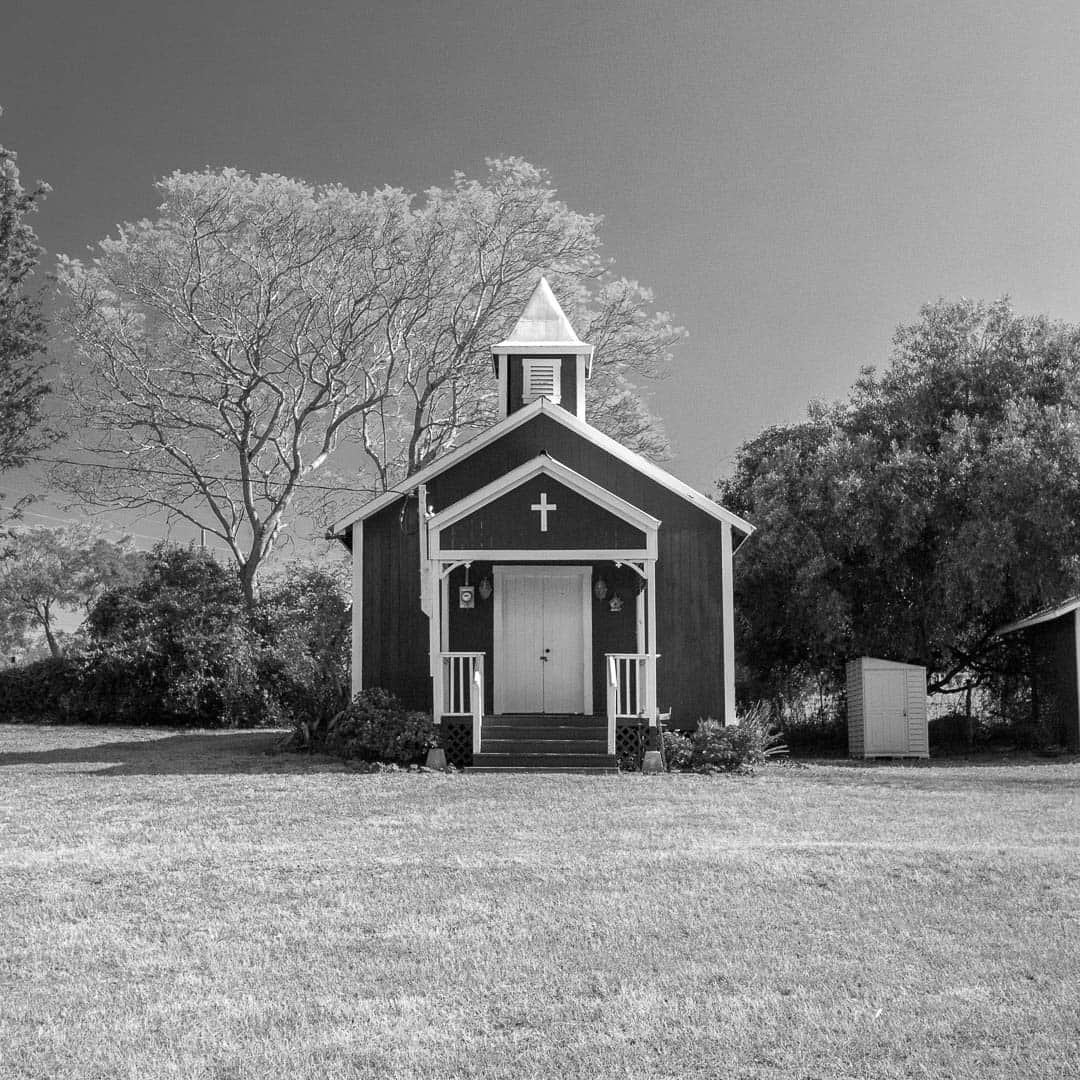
(225,349)
(175,646)
(939,501)
(45,572)
(22,325)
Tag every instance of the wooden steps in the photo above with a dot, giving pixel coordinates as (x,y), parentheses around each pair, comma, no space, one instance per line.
(544,743)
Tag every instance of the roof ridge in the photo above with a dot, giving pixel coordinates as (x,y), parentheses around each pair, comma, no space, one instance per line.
(567,419)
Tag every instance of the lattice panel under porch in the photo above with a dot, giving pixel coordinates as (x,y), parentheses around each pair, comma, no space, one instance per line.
(630,745)
(457,742)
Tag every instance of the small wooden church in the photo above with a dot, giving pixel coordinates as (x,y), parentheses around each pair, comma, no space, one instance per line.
(543,590)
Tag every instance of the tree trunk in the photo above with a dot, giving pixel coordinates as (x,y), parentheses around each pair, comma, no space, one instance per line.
(249,581)
(54,645)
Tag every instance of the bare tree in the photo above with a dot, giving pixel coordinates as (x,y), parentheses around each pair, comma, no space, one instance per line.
(224,349)
(479,249)
(221,349)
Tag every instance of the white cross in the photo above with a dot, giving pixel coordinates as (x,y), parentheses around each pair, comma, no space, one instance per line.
(543,506)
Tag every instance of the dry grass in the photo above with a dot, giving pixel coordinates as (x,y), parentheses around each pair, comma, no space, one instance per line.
(189,906)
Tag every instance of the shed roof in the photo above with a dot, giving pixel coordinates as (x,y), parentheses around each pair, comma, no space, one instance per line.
(1045,615)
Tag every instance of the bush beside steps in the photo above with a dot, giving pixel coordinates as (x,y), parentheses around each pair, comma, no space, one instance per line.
(374,729)
(712,747)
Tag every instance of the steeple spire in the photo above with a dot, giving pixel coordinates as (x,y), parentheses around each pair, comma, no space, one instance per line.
(543,322)
(542,357)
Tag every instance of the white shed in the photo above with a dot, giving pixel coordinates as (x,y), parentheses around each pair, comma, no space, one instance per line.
(886,708)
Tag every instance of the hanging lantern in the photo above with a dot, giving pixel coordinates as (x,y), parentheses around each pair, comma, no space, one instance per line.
(600,589)
(485,588)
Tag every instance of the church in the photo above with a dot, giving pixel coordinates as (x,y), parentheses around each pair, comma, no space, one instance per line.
(545,592)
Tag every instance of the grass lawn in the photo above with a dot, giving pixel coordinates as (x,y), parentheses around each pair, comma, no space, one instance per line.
(186,905)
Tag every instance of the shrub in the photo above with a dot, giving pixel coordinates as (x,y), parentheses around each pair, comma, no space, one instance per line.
(41,691)
(816,734)
(375,726)
(740,747)
(176,648)
(304,622)
(678,750)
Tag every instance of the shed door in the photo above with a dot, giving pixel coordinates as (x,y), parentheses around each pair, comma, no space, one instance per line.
(886,712)
(540,657)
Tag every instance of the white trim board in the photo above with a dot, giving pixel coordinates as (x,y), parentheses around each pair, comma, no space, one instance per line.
(532,555)
(357,621)
(556,412)
(545,465)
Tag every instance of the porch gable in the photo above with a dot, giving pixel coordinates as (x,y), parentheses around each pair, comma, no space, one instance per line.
(542,509)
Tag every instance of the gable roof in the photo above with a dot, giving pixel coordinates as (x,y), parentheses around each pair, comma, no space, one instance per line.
(568,420)
(1045,615)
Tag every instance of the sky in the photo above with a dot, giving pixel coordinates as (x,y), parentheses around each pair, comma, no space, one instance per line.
(792,179)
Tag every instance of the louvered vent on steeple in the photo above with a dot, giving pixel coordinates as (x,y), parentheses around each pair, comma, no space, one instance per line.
(542,358)
(541,378)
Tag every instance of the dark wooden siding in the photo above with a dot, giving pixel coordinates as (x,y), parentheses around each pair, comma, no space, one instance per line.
(689,565)
(613,631)
(509,522)
(474,631)
(1053,652)
(395,630)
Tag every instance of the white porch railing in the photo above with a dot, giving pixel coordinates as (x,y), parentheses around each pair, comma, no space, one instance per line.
(460,689)
(631,690)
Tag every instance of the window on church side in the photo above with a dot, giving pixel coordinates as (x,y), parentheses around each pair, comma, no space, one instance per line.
(541,379)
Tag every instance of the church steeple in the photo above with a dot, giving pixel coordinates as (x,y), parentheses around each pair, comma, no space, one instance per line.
(542,357)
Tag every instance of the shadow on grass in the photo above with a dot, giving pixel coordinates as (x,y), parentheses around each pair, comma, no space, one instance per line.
(155,753)
(983,760)
(982,771)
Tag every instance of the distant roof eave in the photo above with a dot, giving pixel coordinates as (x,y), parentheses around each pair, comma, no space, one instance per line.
(1045,615)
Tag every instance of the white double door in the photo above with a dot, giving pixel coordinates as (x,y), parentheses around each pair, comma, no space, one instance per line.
(543,639)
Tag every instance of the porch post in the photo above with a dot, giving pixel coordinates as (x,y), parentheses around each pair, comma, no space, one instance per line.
(435,640)
(651,652)
(612,683)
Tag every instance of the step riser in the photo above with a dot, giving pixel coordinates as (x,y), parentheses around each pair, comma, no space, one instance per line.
(541,720)
(563,717)
(543,746)
(545,761)
(554,769)
(547,734)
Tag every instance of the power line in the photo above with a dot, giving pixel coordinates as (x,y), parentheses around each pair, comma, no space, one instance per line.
(181,476)
(82,521)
